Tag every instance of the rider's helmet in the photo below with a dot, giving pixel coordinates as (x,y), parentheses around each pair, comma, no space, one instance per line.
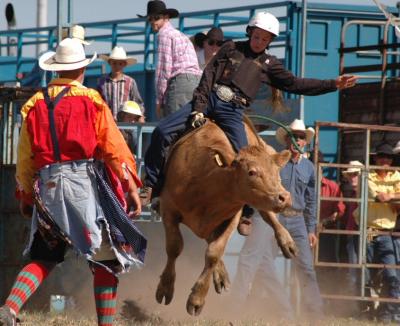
(265,21)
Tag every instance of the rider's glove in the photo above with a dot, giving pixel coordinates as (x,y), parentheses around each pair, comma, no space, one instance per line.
(197,119)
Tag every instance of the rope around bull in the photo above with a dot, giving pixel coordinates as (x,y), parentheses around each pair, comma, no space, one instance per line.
(292,139)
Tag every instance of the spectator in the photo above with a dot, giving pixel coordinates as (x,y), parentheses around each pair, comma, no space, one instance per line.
(177,72)
(228,86)
(130,113)
(329,214)
(298,177)
(212,42)
(351,189)
(60,137)
(116,88)
(383,187)
(38,77)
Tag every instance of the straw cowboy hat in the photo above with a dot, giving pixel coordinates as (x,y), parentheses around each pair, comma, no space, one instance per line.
(118,53)
(157,7)
(353,169)
(296,125)
(69,55)
(132,107)
(77,32)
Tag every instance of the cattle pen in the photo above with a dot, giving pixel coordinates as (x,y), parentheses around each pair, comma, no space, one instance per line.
(338,39)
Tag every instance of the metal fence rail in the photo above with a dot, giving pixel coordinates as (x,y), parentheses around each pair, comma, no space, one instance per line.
(136,35)
(363,232)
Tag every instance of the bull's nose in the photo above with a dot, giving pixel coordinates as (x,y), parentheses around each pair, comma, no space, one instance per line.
(284,199)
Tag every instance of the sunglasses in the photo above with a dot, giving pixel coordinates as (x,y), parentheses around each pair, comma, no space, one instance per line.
(214,42)
(299,136)
(154,18)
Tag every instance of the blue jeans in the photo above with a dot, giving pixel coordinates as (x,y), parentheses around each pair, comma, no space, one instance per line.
(352,258)
(259,252)
(179,92)
(228,116)
(258,255)
(381,251)
(310,294)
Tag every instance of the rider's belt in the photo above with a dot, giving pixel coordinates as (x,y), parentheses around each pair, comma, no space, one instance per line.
(289,212)
(226,94)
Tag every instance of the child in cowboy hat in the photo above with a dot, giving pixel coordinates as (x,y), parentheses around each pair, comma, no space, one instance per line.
(116,87)
(130,113)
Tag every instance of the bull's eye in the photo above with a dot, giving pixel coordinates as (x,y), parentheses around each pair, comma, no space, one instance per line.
(252,173)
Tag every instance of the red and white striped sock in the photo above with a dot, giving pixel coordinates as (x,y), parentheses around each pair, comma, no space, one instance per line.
(27,282)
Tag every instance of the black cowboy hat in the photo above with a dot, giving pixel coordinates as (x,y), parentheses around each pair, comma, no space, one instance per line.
(383,149)
(158,7)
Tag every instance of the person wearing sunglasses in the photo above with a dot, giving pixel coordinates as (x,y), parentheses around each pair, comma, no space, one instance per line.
(256,256)
(177,70)
(210,44)
(229,84)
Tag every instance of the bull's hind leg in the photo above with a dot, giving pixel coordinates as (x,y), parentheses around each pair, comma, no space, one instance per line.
(174,246)
(221,277)
(214,252)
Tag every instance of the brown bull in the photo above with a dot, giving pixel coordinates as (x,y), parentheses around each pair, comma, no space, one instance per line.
(205,188)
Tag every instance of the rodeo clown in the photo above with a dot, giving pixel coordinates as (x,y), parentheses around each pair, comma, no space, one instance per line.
(67,132)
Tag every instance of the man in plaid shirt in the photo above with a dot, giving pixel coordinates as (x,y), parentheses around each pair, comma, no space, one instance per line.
(177,72)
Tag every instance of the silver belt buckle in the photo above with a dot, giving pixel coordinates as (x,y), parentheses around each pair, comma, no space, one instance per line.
(224,93)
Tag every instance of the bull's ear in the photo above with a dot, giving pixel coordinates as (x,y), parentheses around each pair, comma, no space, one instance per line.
(282,158)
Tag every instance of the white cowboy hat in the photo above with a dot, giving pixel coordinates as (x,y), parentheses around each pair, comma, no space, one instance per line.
(118,53)
(132,107)
(296,125)
(353,169)
(69,55)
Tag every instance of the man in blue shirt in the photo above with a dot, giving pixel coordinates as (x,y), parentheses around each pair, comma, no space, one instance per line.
(298,177)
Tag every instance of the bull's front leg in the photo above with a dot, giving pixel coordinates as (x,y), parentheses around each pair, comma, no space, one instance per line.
(216,247)
(221,277)
(284,239)
(174,247)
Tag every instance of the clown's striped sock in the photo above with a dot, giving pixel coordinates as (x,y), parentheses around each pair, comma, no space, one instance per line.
(105,294)
(27,282)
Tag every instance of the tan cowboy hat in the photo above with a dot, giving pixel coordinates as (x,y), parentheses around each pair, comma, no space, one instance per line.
(132,107)
(353,169)
(69,55)
(296,125)
(118,53)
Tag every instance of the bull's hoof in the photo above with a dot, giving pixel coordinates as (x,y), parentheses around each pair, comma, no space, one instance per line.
(286,243)
(164,292)
(221,279)
(194,305)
